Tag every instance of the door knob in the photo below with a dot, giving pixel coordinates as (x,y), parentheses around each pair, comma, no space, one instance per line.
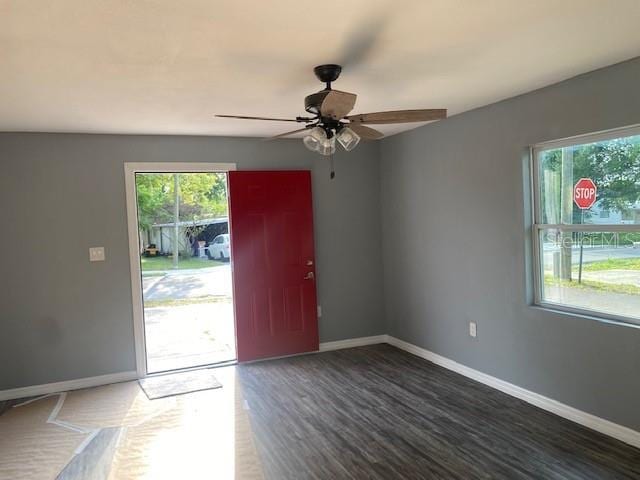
(309,263)
(309,276)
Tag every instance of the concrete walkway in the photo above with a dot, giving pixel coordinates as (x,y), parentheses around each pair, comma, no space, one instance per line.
(189,335)
(183,336)
(182,284)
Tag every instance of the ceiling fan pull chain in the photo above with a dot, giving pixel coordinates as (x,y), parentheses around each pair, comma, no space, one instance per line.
(333,173)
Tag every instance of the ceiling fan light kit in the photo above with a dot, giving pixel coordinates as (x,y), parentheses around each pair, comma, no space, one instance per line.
(318,141)
(348,138)
(313,139)
(327,147)
(330,120)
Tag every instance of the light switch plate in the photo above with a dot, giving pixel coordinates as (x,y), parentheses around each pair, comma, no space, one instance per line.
(319,311)
(96,254)
(473,329)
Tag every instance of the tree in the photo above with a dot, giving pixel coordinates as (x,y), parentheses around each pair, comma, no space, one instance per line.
(202,195)
(152,192)
(613,165)
(615,168)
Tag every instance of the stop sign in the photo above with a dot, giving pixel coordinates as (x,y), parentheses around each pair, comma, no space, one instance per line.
(584,193)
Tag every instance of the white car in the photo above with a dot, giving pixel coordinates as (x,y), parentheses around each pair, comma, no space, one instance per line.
(220,247)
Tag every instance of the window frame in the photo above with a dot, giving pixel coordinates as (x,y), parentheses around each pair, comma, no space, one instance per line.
(537,227)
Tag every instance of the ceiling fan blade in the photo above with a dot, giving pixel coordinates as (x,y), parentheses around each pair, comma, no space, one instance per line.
(337,104)
(364,40)
(286,134)
(241,117)
(366,133)
(400,116)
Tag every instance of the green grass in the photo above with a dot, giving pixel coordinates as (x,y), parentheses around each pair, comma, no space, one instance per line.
(592,285)
(153,273)
(613,264)
(608,239)
(151,264)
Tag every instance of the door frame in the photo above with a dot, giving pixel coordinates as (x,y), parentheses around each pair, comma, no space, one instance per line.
(130,170)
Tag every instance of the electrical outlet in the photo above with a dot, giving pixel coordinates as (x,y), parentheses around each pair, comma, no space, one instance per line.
(473,329)
(96,254)
(319,311)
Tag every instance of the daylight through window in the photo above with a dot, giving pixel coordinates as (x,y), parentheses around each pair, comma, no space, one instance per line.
(587,224)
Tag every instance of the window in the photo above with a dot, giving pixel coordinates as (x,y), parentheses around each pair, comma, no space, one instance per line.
(586,244)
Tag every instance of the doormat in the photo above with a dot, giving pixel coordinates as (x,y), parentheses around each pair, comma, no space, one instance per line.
(162,386)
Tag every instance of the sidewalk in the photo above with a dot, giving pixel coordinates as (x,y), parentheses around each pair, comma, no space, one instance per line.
(181,284)
(591,299)
(617,277)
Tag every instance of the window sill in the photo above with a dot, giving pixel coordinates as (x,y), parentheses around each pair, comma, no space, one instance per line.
(585,314)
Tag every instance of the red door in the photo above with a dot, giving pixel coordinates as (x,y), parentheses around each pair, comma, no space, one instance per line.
(272,251)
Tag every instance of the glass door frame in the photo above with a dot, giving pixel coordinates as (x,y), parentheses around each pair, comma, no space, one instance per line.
(130,170)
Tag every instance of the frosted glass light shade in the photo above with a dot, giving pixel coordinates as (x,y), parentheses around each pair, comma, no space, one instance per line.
(314,139)
(348,139)
(327,146)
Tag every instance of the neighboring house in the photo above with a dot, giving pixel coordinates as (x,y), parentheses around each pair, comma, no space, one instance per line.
(161,234)
(599,215)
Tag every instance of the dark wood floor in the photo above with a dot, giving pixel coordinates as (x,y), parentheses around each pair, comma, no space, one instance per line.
(378,412)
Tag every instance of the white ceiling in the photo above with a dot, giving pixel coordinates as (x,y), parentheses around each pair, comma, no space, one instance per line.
(166,66)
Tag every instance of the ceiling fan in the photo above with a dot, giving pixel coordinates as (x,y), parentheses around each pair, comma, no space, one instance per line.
(330,119)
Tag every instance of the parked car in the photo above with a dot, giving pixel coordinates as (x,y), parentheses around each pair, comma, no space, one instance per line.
(219,248)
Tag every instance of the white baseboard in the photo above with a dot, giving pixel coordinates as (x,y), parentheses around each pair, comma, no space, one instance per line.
(598,424)
(352,342)
(588,420)
(65,386)
(45,389)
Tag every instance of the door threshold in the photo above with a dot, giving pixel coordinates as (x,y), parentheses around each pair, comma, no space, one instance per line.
(226,363)
(266,359)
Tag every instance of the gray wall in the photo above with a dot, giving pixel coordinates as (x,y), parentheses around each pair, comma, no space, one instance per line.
(454,243)
(62,317)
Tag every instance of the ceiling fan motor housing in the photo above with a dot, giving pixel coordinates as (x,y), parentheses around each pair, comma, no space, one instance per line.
(327,73)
